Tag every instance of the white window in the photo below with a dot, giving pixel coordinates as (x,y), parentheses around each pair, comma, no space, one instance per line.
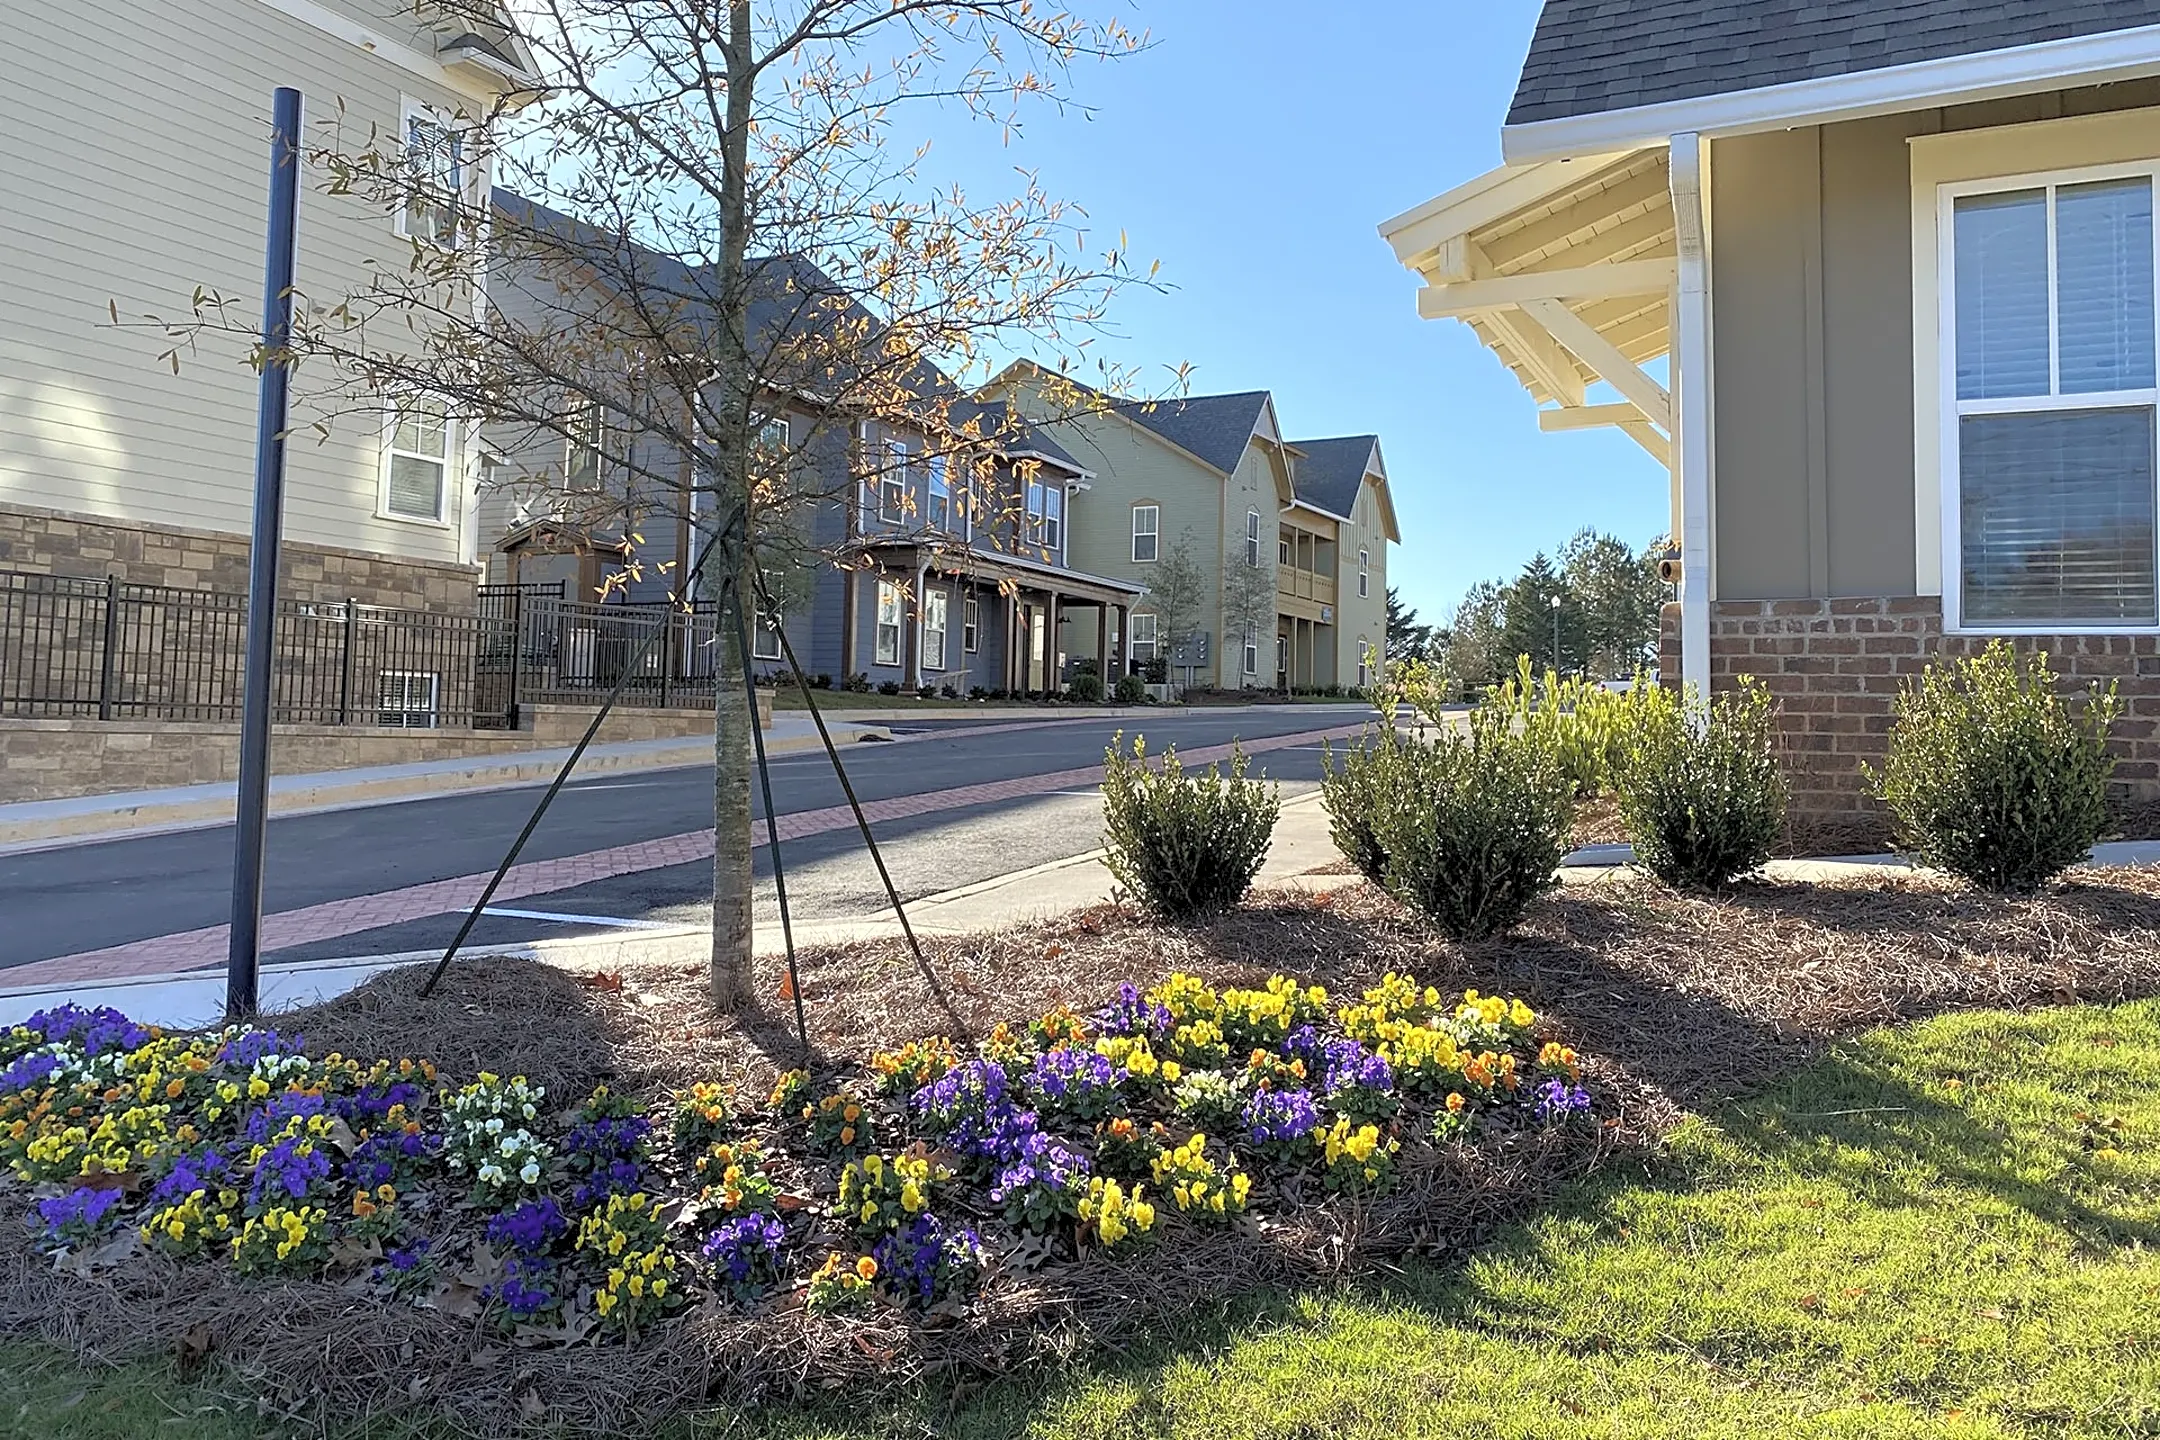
(1252,655)
(888,623)
(1364,572)
(407,699)
(892,483)
(1146,531)
(1282,654)
(1038,505)
(1252,538)
(934,613)
(970,625)
(1143,636)
(435,180)
(1054,515)
(2048,440)
(1282,550)
(940,495)
(765,638)
(588,445)
(1364,668)
(769,460)
(417,443)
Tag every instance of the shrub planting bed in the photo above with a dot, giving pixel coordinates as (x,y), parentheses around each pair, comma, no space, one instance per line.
(1674,1002)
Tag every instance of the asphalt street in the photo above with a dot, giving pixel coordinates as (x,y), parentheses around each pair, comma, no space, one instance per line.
(84,897)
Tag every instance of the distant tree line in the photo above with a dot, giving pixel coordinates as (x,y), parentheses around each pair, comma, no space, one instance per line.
(1608,597)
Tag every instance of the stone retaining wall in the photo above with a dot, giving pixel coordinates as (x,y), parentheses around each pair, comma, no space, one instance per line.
(60,759)
(48,542)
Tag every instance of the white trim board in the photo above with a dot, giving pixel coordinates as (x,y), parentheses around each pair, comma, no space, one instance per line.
(2114,55)
(405,57)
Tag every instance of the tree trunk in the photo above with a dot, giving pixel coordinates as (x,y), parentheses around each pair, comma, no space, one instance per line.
(733,846)
(732,430)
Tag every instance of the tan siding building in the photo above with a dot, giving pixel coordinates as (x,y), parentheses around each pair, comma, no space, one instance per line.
(1902,269)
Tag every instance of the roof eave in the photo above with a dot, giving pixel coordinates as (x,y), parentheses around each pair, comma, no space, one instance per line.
(2101,59)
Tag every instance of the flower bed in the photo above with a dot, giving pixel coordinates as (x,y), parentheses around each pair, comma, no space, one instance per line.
(931,1187)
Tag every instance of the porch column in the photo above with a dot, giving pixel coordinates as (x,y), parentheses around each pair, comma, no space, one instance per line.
(1124,637)
(1015,643)
(918,635)
(1102,646)
(848,598)
(1691,383)
(1050,644)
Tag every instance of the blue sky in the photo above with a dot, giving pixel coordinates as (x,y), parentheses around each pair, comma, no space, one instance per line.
(1253,150)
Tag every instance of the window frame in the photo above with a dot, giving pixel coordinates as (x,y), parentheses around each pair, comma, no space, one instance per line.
(1053,516)
(1252,539)
(412,109)
(892,482)
(886,591)
(1364,574)
(766,630)
(393,409)
(1252,654)
(1153,536)
(1950,410)
(970,625)
(938,490)
(587,419)
(430,713)
(1133,642)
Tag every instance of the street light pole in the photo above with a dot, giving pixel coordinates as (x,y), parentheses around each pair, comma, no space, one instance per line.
(1556,634)
(244,939)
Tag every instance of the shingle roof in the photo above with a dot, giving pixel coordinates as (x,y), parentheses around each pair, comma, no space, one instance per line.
(784,303)
(1591,56)
(1331,472)
(1217,428)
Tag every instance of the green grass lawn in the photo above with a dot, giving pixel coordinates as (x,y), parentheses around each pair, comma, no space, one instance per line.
(1947,1230)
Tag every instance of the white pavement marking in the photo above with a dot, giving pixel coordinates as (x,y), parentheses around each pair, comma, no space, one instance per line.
(605,921)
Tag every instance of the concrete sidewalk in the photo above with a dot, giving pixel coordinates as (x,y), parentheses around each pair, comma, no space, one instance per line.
(1301,846)
(42,824)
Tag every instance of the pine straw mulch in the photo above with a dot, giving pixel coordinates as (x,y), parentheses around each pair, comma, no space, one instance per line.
(1676,1002)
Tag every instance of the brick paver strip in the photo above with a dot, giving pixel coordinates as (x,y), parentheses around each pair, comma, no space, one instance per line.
(192,949)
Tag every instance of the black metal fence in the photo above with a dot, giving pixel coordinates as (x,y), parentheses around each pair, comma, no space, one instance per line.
(117,651)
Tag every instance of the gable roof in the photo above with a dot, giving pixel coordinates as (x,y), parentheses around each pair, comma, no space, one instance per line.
(1330,472)
(790,298)
(1213,428)
(1590,57)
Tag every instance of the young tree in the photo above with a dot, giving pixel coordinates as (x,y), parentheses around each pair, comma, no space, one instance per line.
(1528,624)
(1470,647)
(1618,595)
(1406,638)
(1249,609)
(1178,594)
(720,223)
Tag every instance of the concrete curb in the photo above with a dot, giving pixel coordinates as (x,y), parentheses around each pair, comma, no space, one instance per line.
(1021,715)
(51,824)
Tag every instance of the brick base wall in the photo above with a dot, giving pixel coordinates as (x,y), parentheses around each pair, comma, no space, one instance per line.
(48,542)
(1834,668)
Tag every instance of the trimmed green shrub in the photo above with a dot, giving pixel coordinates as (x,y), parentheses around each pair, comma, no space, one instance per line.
(1131,690)
(1186,845)
(1087,689)
(1586,726)
(1992,776)
(1474,825)
(1354,794)
(1699,785)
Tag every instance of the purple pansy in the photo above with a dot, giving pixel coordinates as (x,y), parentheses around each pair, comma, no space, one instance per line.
(1556,1101)
(530,1229)
(928,1259)
(1281,1118)
(79,1214)
(1132,1014)
(745,1251)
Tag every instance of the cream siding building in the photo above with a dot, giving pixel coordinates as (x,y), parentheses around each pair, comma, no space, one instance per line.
(1216,472)
(136,172)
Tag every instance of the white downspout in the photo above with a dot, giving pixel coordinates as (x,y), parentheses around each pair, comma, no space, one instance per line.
(922,621)
(1691,385)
